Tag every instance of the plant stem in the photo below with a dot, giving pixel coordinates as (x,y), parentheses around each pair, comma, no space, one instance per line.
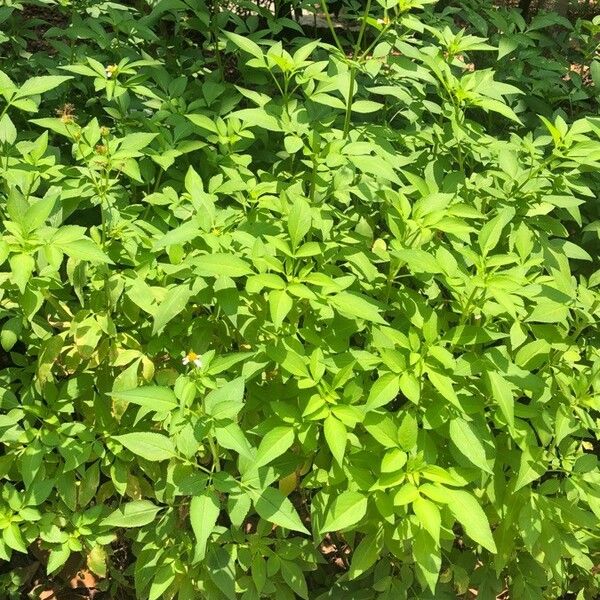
(353,68)
(331,27)
(215,454)
(363,26)
(349,101)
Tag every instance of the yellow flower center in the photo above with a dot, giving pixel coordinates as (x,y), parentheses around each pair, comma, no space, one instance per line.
(192,356)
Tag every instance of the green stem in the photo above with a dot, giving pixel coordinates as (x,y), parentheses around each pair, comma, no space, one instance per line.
(313,179)
(363,26)
(466,308)
(215,454)
(330,25)
(390,280)
(349,101)
(353,68)
(374,42)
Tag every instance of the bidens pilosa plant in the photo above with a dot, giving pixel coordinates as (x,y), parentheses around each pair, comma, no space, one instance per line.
(296,312)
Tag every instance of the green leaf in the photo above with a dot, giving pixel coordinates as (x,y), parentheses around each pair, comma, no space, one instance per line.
(246,44)
(133,514)
(429,516)
(274,507)
(366,106)
(366,554)
(467,442)
(372,165)
(186,232)
(382,428)
(468,512)
(418,261)
(299,221)
(84,249)
(502,393)
(221,567)
(230,436)
(152,397)
(280,304)
(21,266)
(11,534)
(531,467)
(548,311)
(258,117)
(204,122)
(96,560)
(148,445)
(428,558)
(204,512)
(410,386)
(294,577)
(506,45)
(221,264)
(384,390)
(490,233)
(57,558)
(357,306)
(499,107)
(336,437)
(10,333)
(162,579)
(227,401)
(408,432)
(444,385)
(532,355)
(274,444)
(292,144)
(39,85)
(173,303)
(595,72)
(347,509)
(8,132)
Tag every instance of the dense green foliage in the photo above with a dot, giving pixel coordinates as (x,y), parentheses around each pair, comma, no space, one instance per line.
(376,248)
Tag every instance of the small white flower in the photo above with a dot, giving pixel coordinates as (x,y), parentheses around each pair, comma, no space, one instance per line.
(110,71)
(192,358)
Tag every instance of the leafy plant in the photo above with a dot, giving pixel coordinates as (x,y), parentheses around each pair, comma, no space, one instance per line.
(289,318)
